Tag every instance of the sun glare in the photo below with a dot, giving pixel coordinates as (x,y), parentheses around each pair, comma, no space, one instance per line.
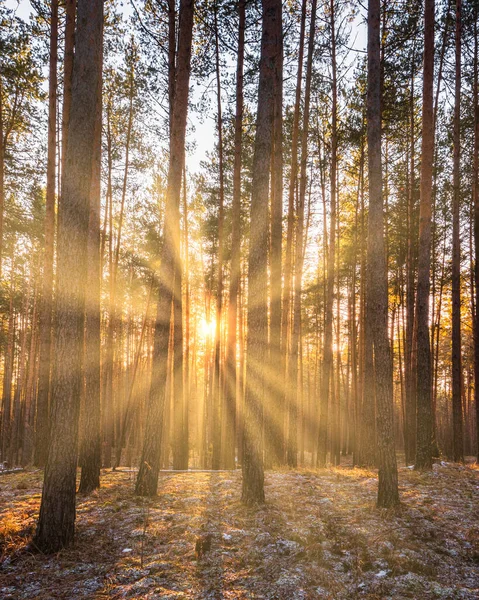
(207,328)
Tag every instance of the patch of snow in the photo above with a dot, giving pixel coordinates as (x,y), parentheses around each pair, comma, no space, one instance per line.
(382,574)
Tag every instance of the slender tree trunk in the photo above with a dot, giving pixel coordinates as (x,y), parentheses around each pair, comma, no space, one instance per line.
(8,375)
(275,397)
(184,442)
(230,408)
(377,282)
(296,326)
(217,400)
(147,481)
(328,326)
(424,380)
(69,45)
(288,268)
(409,357)
(458,437)
(45,325)
(2,175)
(475,199)
(91,451)
(56,523)
(257,332)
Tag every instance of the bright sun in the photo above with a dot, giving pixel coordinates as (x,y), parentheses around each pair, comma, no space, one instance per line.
(207,328)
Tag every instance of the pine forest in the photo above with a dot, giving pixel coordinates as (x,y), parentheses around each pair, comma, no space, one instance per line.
(239,299)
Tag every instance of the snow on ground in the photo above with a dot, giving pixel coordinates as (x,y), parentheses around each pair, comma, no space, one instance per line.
(318,536)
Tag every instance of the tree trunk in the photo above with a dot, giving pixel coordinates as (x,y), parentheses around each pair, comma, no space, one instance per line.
(475,199)
(423,370)
(91,451)
(257,332)
(56,523)
(292,448)
(458,450)
(45,316)
(217,400)
(147,481)
(231,403)
(377,282)
(275,398)
(328,326)
(69,45)
(288,263)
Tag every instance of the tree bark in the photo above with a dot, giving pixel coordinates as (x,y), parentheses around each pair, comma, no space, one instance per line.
(147,481)
(377,282)
(423,370)
(91,451)
(231,392)
(288,268)
(217,399)
(292,448)
(56,523)
(257,332)
(475,199)
(45,313)
(458,436)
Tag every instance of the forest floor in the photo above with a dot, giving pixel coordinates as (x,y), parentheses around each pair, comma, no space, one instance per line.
(319,535)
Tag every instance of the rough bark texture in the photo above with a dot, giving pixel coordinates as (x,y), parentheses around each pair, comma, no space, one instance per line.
(288,263)
(257,332)
(217,391)
(56,523)
(475,199)
(424,379)
(377,283)
(91,450)
(231,388)
(328,325)
(294,404)
(458,449)
(70,13)
(276,395)
(45,316)
(147,481)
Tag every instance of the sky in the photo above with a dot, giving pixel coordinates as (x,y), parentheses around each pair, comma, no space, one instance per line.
(203,132)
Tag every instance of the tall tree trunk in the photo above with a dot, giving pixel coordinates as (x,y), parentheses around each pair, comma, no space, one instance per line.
(216,458)
(56,523)
(45,316)
(475,199)
(91,451)
(147,481)
(294,403)
(257,332)
(2,174)
(275,398)
(328,326)
(288,263)
(377,282)
(8,373)
(409,357)
(69,45)
(458,449)
(423,370)
(230,408)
